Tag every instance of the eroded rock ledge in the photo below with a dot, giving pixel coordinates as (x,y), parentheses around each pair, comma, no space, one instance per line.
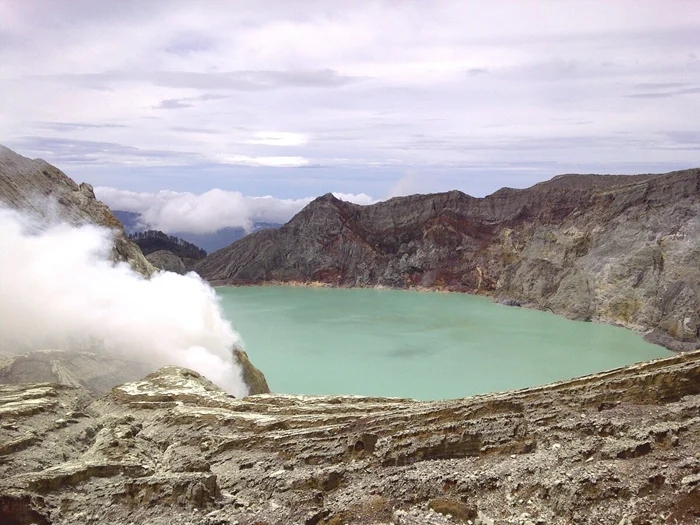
(616,447)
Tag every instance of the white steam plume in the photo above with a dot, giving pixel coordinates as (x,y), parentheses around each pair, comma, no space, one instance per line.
(409,184)
(59,288)
(173,211)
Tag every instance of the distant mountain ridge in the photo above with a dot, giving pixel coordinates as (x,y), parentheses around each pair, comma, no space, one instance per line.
(617,249)
(153,240)
(130,220)
(168,252)
(224,237)
(210,242)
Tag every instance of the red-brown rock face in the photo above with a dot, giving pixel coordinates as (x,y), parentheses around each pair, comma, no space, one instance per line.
(619,249)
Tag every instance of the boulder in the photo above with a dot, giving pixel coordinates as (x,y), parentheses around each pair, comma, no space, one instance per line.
(167,261)
(252,377)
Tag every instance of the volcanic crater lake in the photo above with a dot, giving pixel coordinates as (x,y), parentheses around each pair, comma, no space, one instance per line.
(416,344)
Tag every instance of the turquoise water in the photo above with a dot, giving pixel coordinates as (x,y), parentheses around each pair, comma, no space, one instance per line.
(416,344)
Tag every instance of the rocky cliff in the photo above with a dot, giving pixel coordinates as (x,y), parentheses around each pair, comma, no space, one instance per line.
(48,195)
(620,447)
(617,249)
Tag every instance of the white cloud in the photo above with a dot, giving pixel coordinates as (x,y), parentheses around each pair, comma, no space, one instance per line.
(277,138)
(409,184)
(279,162)
(172,211)
(356,198)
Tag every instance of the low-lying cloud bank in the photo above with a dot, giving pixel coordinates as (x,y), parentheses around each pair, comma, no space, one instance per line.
(172,211)
(60,289)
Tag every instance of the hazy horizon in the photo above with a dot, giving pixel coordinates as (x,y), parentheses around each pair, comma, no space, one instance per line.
(209,114)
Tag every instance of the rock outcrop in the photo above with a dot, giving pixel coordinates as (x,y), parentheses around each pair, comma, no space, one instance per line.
(617,249)
(47,195)
(168,261)
(252,376)
(620,447)
(97,374)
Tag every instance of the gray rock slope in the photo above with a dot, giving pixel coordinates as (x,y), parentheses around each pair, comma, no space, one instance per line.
(166,260)
(620,447)
(95,373)
(616,249)
(48,195)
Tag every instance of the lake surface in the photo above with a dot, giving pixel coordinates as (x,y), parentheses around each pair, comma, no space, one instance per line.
(416,344)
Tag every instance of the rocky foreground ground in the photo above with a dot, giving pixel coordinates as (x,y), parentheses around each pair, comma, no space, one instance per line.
(621,447)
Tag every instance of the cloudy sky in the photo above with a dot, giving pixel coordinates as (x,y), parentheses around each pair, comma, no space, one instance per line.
(159,102)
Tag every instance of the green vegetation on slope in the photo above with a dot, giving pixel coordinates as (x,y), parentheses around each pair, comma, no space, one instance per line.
(154,240)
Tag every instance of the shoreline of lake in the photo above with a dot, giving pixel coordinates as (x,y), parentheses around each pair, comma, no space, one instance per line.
(671,345)
(369,341)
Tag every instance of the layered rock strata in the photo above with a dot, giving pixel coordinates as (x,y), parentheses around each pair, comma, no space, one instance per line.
(611,448)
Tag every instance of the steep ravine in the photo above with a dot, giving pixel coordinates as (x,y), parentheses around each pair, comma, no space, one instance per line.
(615,249)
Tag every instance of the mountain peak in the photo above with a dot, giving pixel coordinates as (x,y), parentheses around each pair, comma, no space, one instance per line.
(327,197)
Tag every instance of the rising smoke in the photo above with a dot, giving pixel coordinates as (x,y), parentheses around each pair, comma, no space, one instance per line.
(60,289)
